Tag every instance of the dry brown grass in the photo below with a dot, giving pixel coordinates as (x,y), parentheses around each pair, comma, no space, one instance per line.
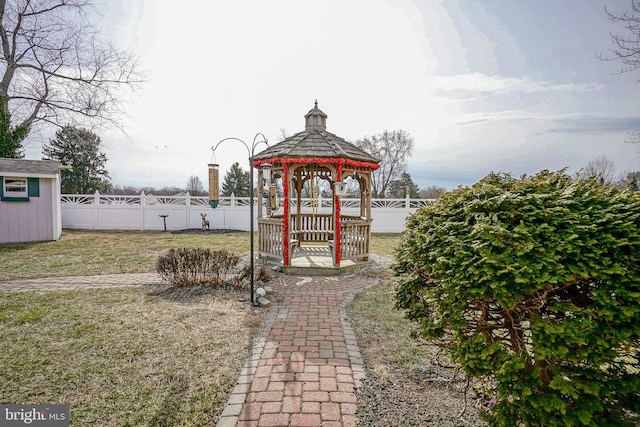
(84,252)
(385,333)
(125,356)
(105,252)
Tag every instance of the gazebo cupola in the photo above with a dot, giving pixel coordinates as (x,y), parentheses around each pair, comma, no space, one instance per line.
(315,119)
(300,169)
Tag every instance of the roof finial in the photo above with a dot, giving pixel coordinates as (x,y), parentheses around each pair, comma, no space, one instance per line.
(315,119)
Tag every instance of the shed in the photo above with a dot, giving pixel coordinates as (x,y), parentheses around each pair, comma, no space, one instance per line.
(29,200)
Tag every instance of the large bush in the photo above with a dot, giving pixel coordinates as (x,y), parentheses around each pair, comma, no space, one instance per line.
(533,284)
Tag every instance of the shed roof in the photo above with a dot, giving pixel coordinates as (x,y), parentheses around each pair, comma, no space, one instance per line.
(315,141)
(34,168)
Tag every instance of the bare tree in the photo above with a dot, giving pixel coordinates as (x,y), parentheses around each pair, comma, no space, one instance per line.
(629,181)
(55,69)
(626,47)
(392,148)
(352,187)
(283,134)
(602,168)
(432,192)
(194,186)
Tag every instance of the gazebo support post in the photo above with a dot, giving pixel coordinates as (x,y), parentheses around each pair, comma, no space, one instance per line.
(337,244)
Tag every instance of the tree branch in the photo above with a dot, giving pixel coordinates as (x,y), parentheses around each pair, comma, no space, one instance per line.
(56,67)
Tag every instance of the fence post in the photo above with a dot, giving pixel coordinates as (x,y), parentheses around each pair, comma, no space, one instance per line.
(187,201)
(232,203)
(96,209)
(142,205)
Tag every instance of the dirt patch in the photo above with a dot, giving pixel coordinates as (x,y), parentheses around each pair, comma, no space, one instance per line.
(196,294)
(405,398)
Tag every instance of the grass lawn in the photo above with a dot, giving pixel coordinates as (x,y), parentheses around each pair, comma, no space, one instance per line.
(104,252)
(131,356)
(80,253)
(124,356)
(385,333)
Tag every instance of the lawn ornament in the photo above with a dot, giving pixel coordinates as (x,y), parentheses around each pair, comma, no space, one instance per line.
(205,222)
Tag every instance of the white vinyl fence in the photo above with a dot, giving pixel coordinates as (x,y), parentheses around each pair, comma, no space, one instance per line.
(144,212)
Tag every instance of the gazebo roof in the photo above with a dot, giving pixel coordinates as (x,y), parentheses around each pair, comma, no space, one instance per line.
(315,142)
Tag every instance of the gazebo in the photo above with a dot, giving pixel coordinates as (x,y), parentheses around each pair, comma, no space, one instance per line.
(294,176)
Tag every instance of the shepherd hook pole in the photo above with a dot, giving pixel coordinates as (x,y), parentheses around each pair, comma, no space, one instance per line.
(251,152)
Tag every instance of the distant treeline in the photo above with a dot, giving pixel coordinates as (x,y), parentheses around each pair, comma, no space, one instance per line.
(164,191)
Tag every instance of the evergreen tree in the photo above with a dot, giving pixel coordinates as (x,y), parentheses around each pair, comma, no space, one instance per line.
(11,137)
(80,149)
(236,181)
(401,187)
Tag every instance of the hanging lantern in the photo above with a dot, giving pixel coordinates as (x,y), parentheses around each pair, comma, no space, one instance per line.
(214,189)
(339,189)
(266,176)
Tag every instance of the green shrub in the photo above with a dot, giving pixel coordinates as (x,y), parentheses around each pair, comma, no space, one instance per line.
(185,266)
(533,285)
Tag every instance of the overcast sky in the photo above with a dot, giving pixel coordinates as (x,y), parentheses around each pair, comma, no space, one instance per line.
(481,85)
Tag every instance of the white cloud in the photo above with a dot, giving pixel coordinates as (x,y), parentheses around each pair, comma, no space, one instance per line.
(478,82)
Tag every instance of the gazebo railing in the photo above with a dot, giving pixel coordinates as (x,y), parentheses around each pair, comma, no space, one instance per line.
(270,238)
(354,239)
(314,228)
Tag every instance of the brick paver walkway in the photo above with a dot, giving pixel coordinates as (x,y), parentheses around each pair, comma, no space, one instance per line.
(306,364)
(79,282)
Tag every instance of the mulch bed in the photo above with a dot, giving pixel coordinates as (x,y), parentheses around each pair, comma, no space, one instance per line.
(212,231)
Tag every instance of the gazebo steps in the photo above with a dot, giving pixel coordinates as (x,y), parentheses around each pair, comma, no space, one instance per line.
(316,260)
(310,270)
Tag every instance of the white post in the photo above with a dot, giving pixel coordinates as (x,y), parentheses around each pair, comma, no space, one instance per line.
(233,208)
(96,209)
(187,201)
(142,204)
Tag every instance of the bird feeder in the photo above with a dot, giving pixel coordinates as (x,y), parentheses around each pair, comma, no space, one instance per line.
(214,190)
